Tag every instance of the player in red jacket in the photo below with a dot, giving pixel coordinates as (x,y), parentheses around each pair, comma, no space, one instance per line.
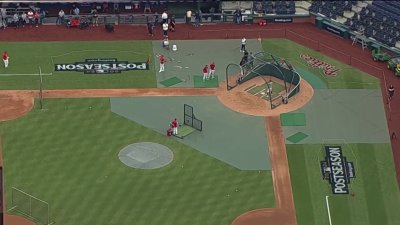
(205,72)
(212,70)
(5,59)
(174,125)
(162,63)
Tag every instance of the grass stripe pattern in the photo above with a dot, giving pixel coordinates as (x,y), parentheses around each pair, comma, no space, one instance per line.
(67,155)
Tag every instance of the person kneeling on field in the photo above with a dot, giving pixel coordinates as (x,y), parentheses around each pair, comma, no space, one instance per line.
(166,43)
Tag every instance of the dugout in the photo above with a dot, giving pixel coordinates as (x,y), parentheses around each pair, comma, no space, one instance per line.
(266,64)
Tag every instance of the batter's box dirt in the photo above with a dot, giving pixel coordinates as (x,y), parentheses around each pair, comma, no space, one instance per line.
(247,98)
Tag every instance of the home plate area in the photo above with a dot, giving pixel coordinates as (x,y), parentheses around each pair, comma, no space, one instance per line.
(266,91)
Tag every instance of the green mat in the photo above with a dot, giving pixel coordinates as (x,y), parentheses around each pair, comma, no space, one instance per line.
(199,83)
(293,119)
(297,137)
(184,130)
(171,81)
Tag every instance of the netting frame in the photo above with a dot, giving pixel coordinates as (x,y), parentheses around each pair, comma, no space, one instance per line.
(29,215)
(228,74)
(190,119)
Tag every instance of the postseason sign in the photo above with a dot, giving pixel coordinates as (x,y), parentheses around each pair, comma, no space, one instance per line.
(101,66)
(337,170)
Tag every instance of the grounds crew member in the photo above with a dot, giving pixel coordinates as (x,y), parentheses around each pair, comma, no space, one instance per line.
(166,43)
(189,16)
(164,17)
(243,46)
(165,29)
(391,91)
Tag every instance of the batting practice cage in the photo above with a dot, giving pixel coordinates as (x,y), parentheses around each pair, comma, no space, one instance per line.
(264,65)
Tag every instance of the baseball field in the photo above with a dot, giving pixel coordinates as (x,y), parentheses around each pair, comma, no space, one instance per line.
(66,148)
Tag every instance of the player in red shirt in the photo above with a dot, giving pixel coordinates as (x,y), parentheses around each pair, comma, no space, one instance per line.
(5,59)
(174,125)
(212,70)
(162,63)
(205,72)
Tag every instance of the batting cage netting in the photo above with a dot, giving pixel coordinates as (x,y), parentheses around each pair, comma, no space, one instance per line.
(233,73)
(265,64)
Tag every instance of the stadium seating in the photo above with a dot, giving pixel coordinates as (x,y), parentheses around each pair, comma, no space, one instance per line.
(275,7)
(380,20)
(331,9)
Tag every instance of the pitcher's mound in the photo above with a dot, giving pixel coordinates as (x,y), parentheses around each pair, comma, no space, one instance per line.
(146,155)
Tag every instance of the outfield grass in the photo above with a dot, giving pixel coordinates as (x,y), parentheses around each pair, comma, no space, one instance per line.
(67,155)
(376,200)
(347,78)
(27,57)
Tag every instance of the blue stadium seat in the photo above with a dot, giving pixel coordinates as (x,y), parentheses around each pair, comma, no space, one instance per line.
(386,16)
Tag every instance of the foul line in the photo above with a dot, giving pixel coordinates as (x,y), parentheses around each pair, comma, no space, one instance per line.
(26,74)
(97,50)
(94,50)
(329,211)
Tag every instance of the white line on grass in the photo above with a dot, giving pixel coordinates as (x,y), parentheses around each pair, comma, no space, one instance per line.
(26,74)
(97,50)
(263,90)
(93,50)
(252,88)
(329,211)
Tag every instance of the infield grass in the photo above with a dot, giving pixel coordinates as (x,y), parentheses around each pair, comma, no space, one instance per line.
(27,57)
(347,77)
(376,200)
(67,155)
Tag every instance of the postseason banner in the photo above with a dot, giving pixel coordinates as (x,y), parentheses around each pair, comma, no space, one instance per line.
(337,170)
(101,66)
